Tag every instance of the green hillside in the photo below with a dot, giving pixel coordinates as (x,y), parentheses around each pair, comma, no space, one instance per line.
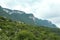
(12,30)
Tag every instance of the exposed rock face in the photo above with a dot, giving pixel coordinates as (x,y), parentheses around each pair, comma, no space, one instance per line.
(27,18)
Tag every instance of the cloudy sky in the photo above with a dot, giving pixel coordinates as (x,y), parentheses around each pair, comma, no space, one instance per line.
(42,9)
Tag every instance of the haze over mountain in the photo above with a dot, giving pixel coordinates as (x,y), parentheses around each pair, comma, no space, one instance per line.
(42,9)
(24,17)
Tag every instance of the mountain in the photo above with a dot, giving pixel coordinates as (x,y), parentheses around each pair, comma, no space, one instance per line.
(17,15)
(13,30)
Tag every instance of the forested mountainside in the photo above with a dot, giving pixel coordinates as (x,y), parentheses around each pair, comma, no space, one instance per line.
(17,15)
(17,30)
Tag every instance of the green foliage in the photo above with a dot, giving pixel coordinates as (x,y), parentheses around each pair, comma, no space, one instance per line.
(12,30)
(25,35)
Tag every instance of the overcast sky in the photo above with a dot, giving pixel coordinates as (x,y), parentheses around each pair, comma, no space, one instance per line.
(42,9)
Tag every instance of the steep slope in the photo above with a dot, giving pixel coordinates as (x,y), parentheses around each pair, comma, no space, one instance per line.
(3,13)
(45,23)
(12,30)
(16,15)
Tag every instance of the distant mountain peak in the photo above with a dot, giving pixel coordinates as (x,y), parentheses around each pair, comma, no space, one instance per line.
(17,15)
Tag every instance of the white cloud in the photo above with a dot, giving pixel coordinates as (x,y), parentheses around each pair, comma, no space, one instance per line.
(22,8)
(4,3)
(47,8)
(56,20)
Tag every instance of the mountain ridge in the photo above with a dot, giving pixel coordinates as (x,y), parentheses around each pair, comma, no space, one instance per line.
(26,18)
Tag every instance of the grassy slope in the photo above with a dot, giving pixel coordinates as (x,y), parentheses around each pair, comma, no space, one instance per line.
(12,30)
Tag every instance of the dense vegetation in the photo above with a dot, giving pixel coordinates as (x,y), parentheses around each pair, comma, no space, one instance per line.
(12,30)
